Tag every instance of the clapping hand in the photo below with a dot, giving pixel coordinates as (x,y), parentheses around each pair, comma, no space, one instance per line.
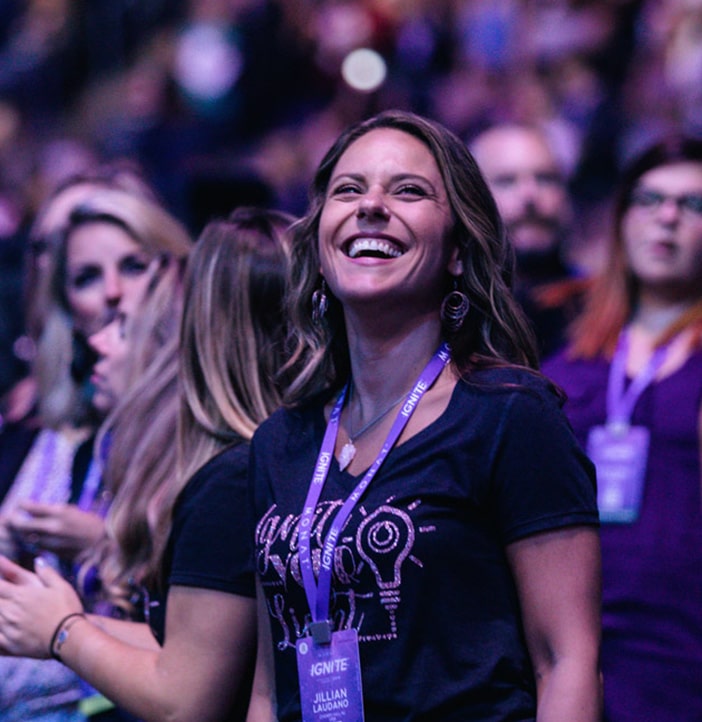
(31,606)
(63,529)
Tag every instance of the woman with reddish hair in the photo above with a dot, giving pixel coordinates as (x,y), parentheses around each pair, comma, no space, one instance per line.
(633,376)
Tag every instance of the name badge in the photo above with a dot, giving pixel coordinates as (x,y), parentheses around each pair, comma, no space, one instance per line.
(330,678)
(620,453)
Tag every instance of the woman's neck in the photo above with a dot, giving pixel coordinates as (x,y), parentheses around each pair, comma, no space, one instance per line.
(651,318)
(653,314)
(383,367)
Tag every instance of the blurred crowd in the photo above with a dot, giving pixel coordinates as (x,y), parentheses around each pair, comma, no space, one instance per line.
(227,102)
(154,155)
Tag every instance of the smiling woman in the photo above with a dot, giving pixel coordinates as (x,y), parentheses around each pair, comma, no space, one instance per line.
(376,213)
(413,355)
(633,375)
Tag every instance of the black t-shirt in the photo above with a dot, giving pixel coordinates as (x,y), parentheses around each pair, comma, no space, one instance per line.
(420,567)
(210,545)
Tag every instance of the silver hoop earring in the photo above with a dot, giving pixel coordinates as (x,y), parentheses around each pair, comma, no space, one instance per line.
(454,309)
(320,303)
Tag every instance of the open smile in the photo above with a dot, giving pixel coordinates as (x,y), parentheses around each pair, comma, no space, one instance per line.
(373,247)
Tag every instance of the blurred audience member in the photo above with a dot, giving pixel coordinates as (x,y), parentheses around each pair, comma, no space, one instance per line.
(182,539)
(633,376)
(529,183)
(113,247)
(52,217)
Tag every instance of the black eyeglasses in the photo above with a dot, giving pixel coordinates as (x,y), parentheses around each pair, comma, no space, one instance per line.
(689,203)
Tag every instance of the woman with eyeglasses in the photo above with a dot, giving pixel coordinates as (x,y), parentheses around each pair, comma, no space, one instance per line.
(633,376)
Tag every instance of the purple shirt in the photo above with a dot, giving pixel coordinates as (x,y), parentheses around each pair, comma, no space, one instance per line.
(652,568)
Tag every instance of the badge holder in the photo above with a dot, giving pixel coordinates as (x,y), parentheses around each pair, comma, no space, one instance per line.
(620,453)
(329,669)
(618,449)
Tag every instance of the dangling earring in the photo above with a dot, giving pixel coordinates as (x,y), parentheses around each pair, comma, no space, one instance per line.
(454,309)
(320,302)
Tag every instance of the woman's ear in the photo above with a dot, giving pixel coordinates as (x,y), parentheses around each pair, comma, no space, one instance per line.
(455,264)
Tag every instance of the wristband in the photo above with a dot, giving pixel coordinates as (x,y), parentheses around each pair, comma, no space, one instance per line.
(60,635)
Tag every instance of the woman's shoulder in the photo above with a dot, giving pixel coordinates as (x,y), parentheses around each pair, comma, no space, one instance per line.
(228,467)
(573,373)
(219,481)
(234,456)
(495,397)
(508,381)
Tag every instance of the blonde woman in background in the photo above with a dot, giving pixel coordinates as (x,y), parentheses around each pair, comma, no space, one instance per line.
(113,248)
(51,218)
(195,657)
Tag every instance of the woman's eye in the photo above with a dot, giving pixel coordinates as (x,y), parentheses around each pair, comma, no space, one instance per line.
(85,277)
(133,265)
(346,189)
(411,189)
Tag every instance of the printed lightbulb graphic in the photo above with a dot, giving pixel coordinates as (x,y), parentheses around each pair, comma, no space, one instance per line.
(384,539)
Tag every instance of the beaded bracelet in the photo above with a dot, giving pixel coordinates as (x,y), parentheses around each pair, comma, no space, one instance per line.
(60,634)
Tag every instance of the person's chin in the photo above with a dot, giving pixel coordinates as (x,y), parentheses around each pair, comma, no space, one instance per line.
(534,242)
(102,403)
(535,236)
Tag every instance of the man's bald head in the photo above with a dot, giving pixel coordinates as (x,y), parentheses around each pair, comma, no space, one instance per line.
(528,183)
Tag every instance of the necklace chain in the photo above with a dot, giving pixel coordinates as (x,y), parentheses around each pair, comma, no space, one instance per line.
(348,451)
(354,435)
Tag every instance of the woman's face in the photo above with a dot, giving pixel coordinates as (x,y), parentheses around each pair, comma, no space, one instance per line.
(106,270)
(662,229)
(384,227)
(110,371)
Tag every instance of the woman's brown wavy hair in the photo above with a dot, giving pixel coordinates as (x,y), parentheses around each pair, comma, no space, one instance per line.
(495,332)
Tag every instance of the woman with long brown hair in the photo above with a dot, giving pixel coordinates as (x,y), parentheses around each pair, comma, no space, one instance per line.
(426,542)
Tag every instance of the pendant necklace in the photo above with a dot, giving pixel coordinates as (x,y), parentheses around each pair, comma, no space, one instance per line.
(348,451)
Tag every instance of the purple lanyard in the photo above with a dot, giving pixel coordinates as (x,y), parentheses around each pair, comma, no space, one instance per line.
(48,460)
(621,401)
(90,486)
(318,593)
(93,479)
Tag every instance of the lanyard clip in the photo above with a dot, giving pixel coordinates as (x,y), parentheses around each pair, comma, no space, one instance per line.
(321,631)
(619,428)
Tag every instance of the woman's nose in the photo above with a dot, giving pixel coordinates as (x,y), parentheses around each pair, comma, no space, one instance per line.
(113,289)
(372,205)
(669,210)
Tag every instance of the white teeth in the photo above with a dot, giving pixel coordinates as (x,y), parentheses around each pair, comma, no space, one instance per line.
(374,245)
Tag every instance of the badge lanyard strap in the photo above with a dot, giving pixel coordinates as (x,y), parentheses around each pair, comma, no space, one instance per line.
(48,459)
(621,402)
(93,479)
(318,593)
